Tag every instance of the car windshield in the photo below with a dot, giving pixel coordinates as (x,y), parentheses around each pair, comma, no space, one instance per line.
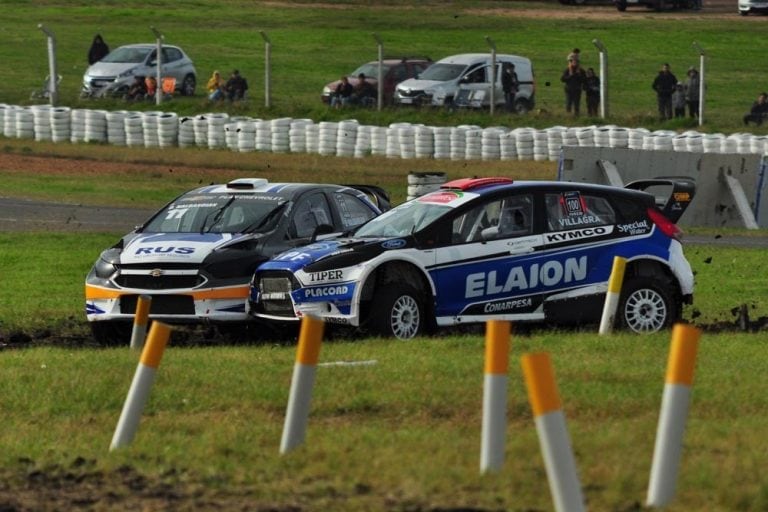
(403,220)
(225,213)
(126,54)
(370,70)
(442,72)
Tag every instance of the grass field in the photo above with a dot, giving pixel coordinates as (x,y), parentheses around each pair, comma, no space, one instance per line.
(402,434)
(313,44)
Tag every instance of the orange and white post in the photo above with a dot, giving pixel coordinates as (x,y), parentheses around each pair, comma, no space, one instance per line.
(141,385)
(494,395)
(674,411)
(553,434)
(612,295)
(302,383)
(140,321)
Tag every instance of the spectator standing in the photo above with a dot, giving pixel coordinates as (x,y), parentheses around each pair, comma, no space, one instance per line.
(759,110)
(664,84)
(215,87)
(342,93)
(236,86)
(592,88)
(509,84)
(98,50)
(678,100)
(575,56)
(573,78)
(692,84)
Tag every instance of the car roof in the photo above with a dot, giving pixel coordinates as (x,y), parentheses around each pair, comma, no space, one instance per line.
(261,186)
(485,186)
(469,58)
(148,45)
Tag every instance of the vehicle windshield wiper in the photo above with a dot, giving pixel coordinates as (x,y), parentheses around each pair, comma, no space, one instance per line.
(216,215)
(260,223)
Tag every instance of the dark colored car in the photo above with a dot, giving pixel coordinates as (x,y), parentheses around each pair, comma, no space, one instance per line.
(491,248)
(394,71)
(196,256)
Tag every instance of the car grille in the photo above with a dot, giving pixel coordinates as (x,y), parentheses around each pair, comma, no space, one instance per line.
(161,305)
(101,82)
(410,93)
(274,293)
(163,282)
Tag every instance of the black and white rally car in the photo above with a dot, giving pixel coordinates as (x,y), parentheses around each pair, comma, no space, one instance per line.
(491,248)
(196,256)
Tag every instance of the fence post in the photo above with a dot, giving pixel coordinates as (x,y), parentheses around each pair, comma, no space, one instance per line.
(674,410)
(553,434)
(494,395)
(141,385)
(297,412)
(612,295)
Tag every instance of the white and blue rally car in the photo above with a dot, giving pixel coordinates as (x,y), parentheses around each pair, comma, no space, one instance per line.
(491,248)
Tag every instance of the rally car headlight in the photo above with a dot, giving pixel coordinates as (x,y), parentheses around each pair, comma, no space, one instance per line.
(103,269)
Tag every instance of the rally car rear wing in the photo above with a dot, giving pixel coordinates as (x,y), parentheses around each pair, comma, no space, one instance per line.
(673,193)
(377,195)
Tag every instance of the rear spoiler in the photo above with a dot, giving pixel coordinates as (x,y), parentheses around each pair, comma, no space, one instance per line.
(376,195)
(673,194)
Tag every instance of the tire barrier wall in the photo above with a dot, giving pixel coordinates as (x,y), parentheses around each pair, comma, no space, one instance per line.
(349,138)
(726,184)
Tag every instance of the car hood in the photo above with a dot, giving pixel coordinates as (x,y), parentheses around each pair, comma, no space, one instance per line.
(333,253)
(418,85)
(177,247)
(110,68)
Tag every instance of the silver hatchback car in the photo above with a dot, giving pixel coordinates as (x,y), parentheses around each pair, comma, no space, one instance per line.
(112,75)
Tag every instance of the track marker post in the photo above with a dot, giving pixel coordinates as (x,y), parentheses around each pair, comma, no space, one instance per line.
(612,295)
(140,321)
(553,434)
(304,370)
(674,411)
(497,343)
(141,385)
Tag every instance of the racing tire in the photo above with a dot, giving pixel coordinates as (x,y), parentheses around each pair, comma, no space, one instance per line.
(188,85)
(112,333)
(647,305)
(397,310)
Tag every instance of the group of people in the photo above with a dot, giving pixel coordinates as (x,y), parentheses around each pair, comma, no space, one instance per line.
(673,96)
(233,89)
(361,93)
(576,80)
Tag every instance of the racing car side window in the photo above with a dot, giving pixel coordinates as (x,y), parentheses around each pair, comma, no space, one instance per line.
(502,218)
(352,211)
(309,213)
(573,210)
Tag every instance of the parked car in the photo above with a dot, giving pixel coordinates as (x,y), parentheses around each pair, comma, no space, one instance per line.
(490,248)
(753,6)
(196,255)
(440,83)
(659,5)
(113,75)
(393,70)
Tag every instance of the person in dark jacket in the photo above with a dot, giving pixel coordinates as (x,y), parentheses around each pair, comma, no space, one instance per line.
(98,51)
(573,78)
(592,88)
(509,84)
(692,85)
(759,111)
(664,84)
(236,86)
(343,92)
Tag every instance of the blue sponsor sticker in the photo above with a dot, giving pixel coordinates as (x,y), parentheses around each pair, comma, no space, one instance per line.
(397,243)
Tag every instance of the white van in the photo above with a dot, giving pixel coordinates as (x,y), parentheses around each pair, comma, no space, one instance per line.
(440,83)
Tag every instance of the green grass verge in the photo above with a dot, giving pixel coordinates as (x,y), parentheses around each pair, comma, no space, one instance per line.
(313,44)
(403,433)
